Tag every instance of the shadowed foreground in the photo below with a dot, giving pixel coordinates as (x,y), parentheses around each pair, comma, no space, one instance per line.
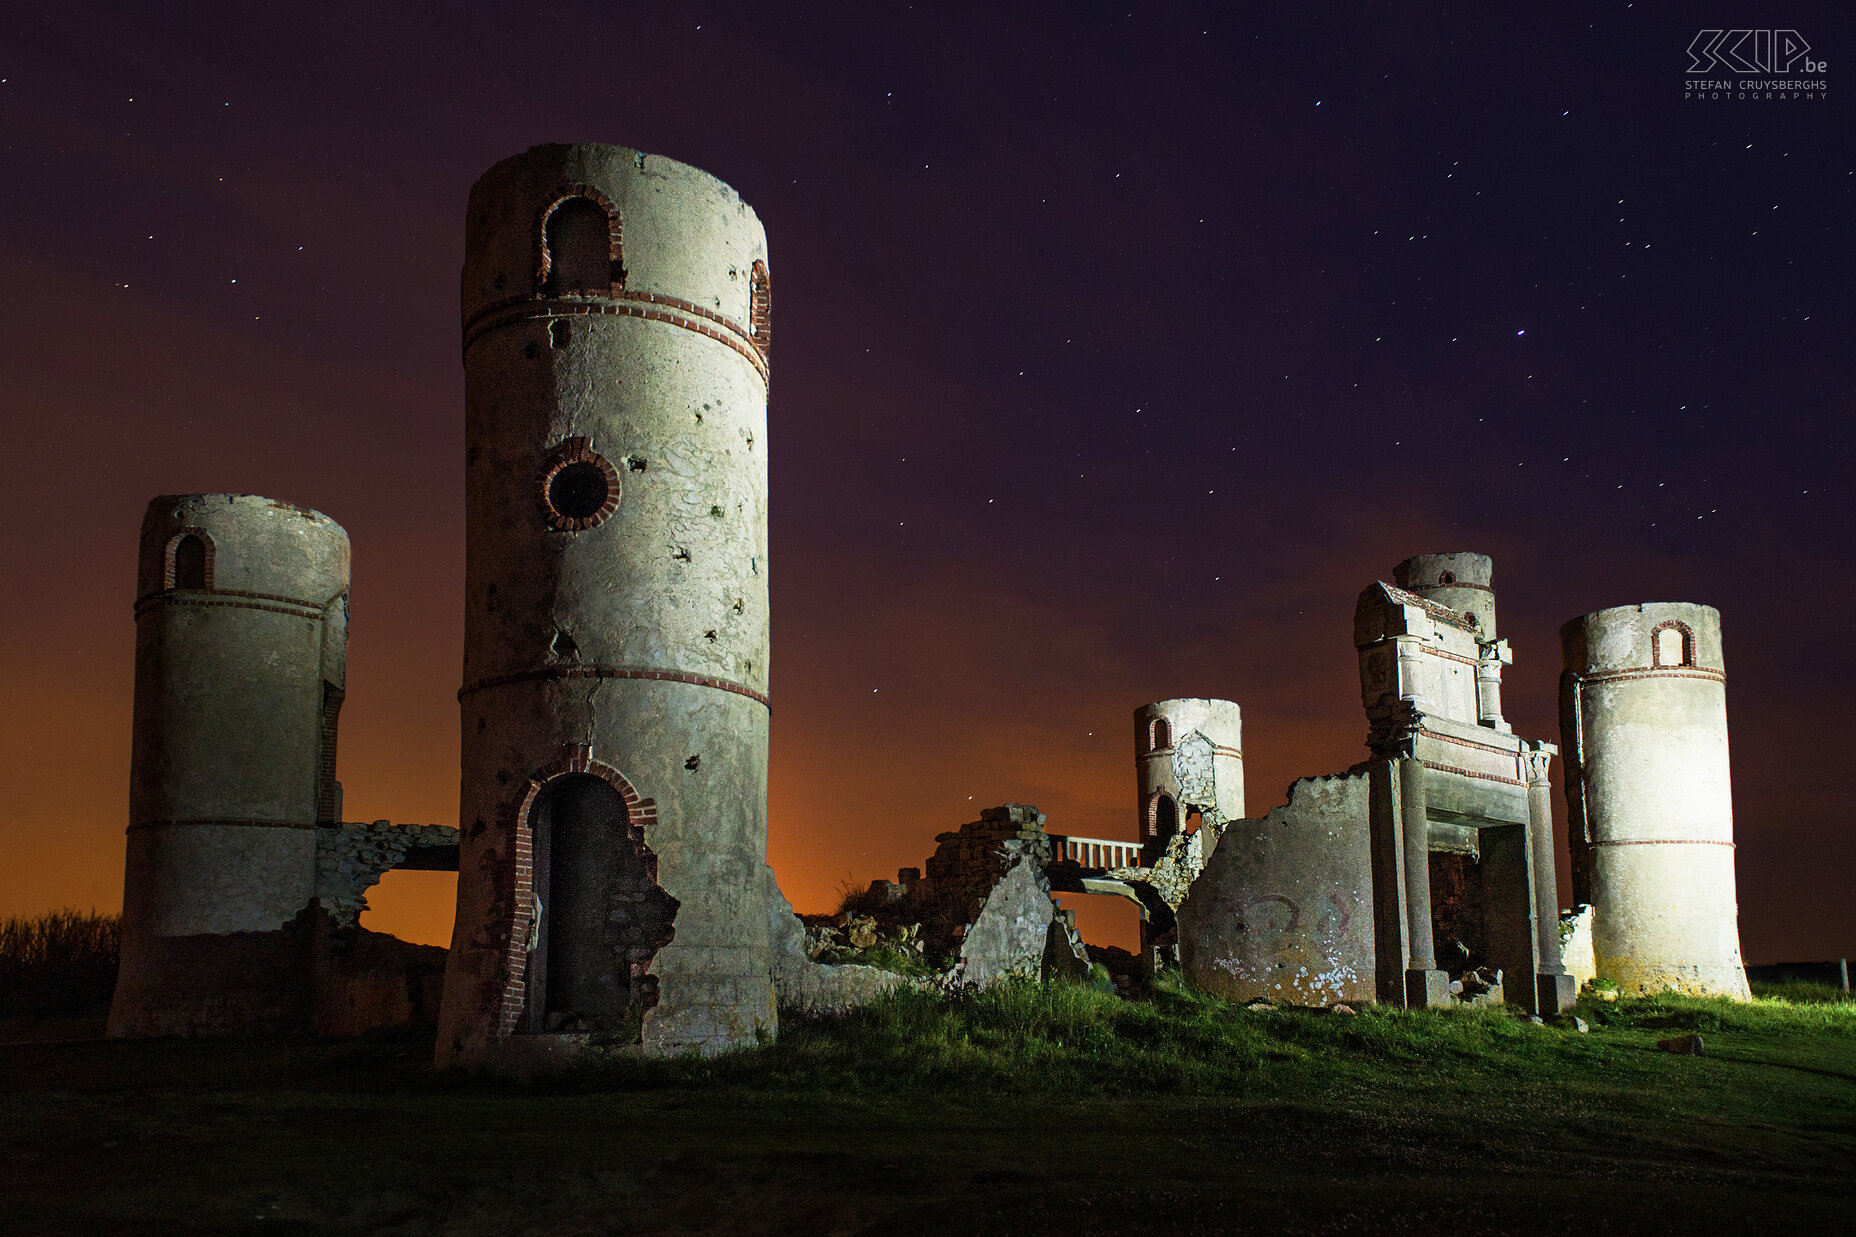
(1024,1110)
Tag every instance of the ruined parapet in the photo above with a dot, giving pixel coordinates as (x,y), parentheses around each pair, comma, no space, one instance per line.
(1431,649)
(614,704)
(1188,771)
(351,858)
(1643,718)
(799,983)
(241,638)
(1284,910)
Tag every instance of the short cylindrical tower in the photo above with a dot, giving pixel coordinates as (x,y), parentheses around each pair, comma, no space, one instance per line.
(241,619)
(614,704)
(1643,715)
(1188,757)
(1459,581)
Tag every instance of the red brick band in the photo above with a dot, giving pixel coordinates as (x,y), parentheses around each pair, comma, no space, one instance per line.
(1486,777)
(1480,588)
(1217,750)
(1652,672)
(652,306)
(229,824)
(234,592)
(1437,652)
(612,672)
(147,604)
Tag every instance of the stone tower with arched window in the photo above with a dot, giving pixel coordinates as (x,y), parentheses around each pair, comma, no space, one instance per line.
(614,706)
(1643,724)
(1188,760)
(241,624)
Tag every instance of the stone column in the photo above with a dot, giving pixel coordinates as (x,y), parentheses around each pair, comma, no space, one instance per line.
(1489,685)
(1425,985)
(1556,989)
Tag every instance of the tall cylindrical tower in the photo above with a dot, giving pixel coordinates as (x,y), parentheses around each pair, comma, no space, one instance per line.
(614,704)
(241,621)
(1188,756)
(1643,715)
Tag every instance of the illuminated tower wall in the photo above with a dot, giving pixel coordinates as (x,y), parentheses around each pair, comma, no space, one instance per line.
(614,705)
(1643,718)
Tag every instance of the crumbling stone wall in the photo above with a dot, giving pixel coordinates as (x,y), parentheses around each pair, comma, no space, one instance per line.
(801,984)
(967,863)
(351,859)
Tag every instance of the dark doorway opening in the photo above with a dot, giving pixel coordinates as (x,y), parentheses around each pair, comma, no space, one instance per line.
(190,562)
(579,248)
(602,916)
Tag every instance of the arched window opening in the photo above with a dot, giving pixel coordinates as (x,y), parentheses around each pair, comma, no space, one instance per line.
(1162,818)
(1159,735)
(579,248)
(601,915)
(189,562)
(1674,647)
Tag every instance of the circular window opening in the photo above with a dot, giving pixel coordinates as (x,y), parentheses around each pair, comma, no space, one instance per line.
(578,490)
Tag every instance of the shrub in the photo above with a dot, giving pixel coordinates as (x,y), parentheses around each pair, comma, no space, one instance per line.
(62,962)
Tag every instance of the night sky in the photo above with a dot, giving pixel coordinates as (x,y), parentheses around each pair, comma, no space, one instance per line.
(1116,352)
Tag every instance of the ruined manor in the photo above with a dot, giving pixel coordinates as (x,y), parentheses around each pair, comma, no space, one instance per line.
(613,891)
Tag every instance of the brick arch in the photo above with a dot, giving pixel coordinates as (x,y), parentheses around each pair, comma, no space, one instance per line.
(615,241)
(1159,734)
(760,308)
(577,451)
(1153,817)
(173,546)
(1688,644)
(640,813)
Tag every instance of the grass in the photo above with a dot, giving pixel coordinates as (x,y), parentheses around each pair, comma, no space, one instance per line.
(1023,1109)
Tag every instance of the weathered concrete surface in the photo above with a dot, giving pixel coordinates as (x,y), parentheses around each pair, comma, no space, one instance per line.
(799,983)
(241,634)
(1643,714)
(628,642)
(1284,907)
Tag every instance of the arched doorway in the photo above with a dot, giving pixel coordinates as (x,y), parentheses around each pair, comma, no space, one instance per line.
(602,916)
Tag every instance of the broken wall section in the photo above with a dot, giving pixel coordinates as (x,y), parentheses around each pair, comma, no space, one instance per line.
(801,984)
(1283,910)
(351,859)
(983,910)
